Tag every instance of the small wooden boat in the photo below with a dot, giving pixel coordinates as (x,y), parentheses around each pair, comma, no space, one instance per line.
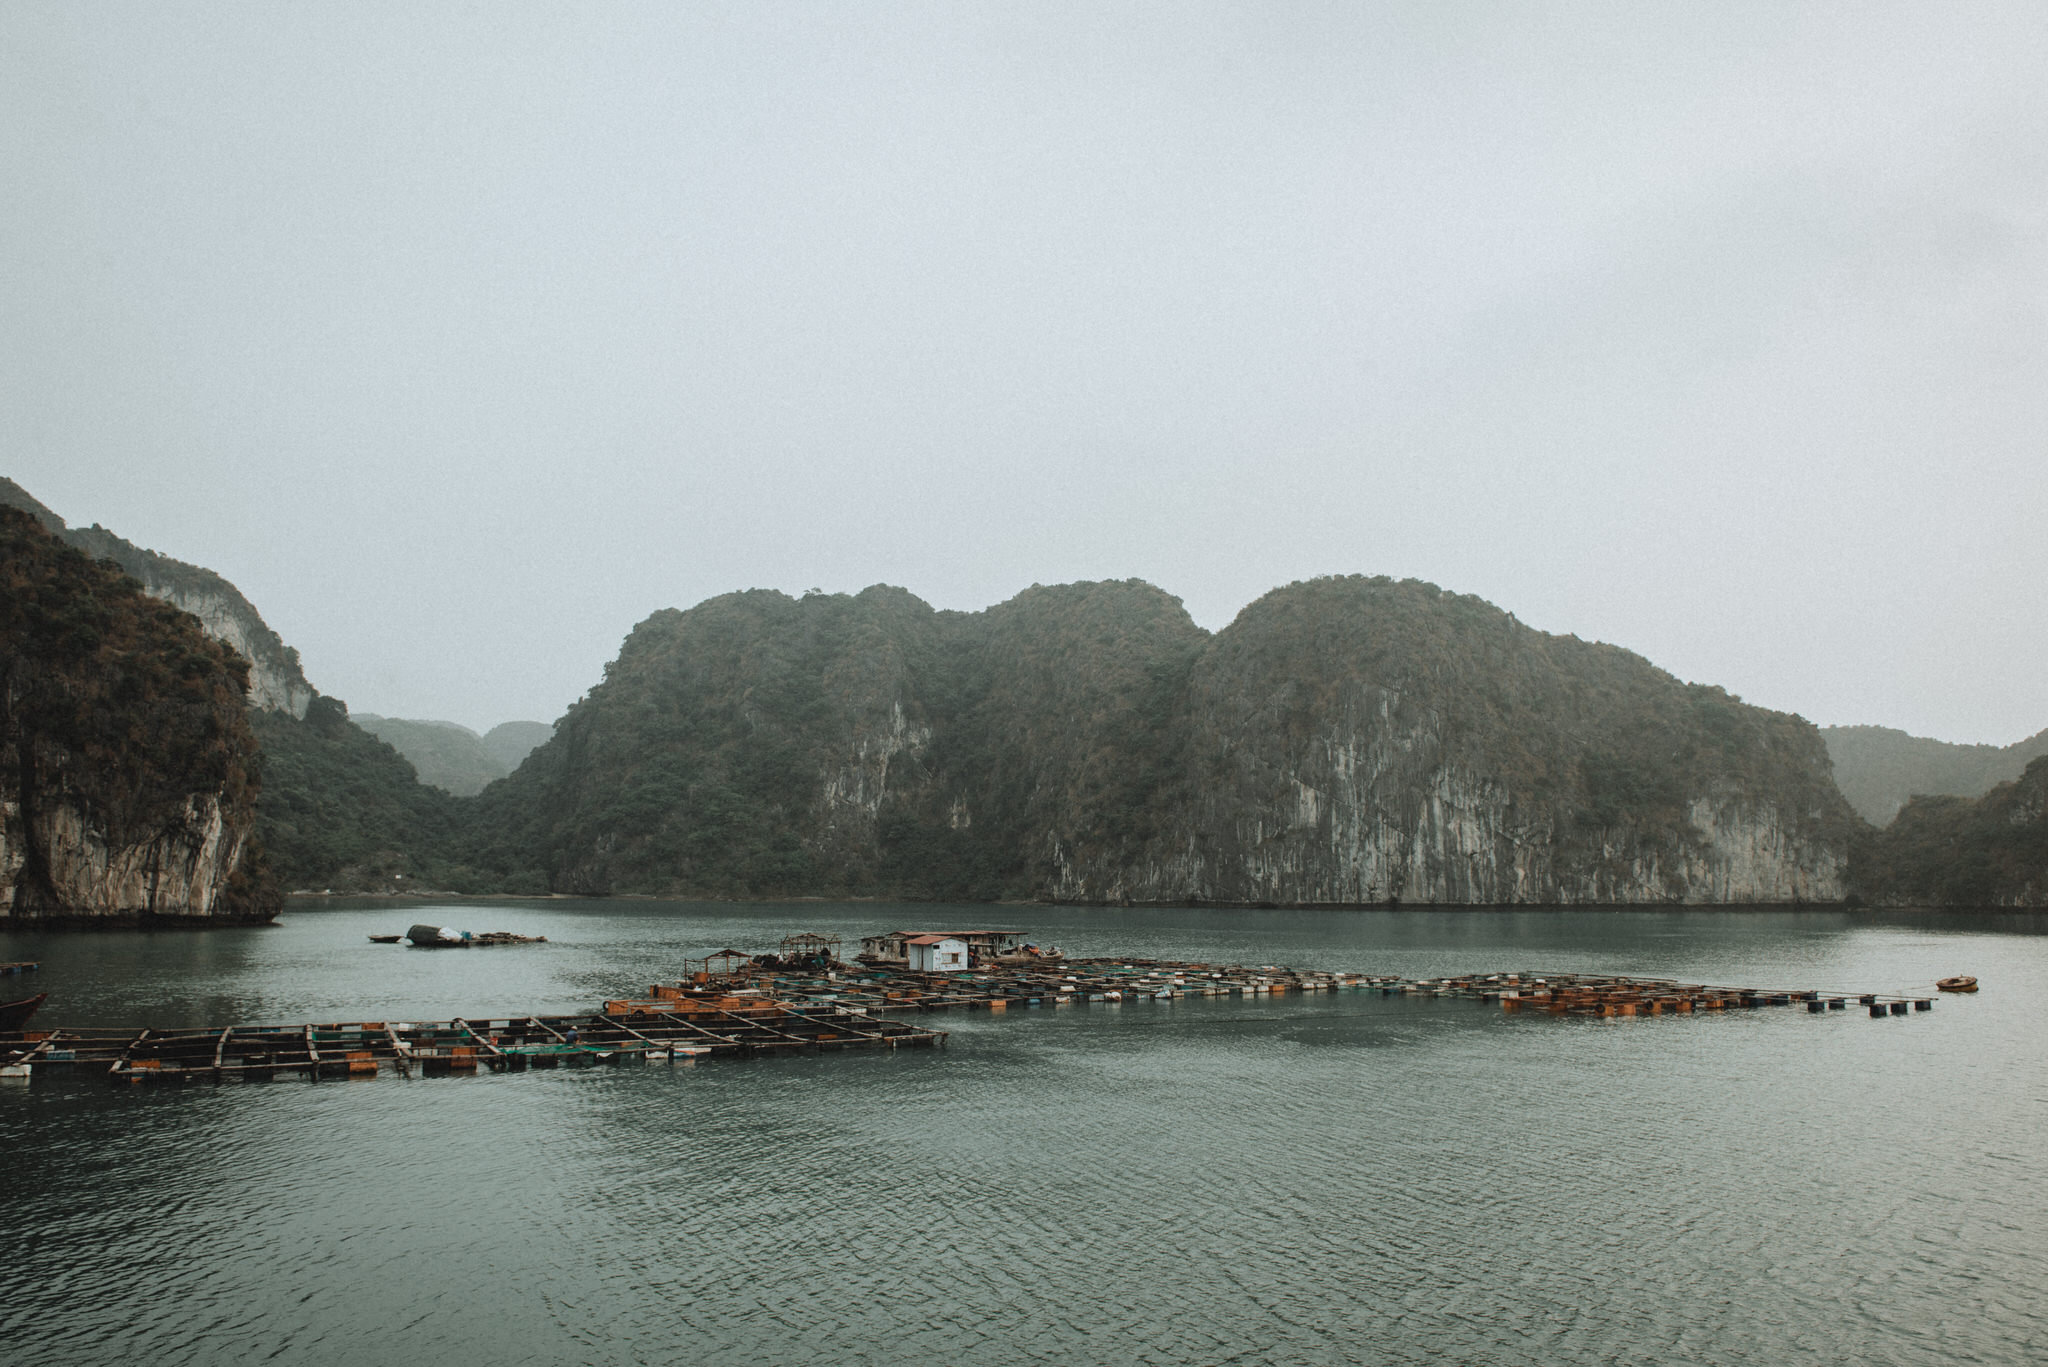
(14,1015)
(385,939)
(1960,983)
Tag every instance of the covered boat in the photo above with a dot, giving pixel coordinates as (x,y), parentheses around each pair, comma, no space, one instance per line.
(1958,984)
(434,937)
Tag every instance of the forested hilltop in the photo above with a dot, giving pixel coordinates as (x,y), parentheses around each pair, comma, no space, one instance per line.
(1344,741)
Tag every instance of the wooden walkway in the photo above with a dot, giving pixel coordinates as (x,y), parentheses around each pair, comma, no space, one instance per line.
(459,1045)
(882,990)
(757,1011)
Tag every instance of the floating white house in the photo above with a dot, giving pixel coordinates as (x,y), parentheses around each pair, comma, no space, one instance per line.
(936,953)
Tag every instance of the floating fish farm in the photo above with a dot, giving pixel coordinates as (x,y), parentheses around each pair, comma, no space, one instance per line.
(737,1005)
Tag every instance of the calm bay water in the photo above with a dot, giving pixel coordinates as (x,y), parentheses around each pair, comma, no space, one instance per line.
(1327,1179)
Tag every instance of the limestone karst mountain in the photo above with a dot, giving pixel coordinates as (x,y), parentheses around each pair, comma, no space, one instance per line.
(276,682)
(338,806)
(128,774)
(1345,741)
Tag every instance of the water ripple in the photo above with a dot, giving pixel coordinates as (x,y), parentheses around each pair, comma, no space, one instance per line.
(1319,1180)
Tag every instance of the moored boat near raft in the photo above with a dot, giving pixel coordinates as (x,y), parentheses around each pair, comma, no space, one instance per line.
(1961,983)
(441,937)
(14,1015)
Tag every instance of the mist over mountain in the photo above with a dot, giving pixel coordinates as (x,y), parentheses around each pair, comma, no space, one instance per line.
(452,757)
(1879,769)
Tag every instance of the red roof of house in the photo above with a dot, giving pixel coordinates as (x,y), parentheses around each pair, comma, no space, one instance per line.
(928,939)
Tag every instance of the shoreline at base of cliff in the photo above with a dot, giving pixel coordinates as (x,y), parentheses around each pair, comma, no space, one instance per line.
(131,921)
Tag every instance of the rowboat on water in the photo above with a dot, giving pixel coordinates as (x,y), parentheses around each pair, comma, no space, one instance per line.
(14,1015)
(1962,983)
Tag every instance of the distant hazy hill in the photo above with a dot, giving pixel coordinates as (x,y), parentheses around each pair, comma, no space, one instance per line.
(128,776)
(1878,768)
(1346,740)
(452,757)
(343,810)
(510,742)
(1990,851)
(275,680)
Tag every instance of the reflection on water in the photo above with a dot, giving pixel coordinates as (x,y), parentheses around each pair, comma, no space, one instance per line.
(1318,1179)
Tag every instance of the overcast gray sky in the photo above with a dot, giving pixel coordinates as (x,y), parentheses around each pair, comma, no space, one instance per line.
(463,337)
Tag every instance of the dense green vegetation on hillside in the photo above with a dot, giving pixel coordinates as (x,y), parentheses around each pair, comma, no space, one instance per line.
(343,810)
(116,704)
(843,745)
(866,745)
(1593,745)
(1954,851)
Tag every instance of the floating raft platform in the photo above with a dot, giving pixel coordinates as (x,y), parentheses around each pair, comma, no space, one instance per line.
(889,990)
(703,1028)
(7,970)
(757,1011)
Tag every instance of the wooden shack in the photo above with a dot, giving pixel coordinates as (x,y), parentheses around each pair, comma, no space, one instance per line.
(936,953)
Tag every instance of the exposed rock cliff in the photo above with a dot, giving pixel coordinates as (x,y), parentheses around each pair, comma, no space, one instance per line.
(1354,740)
(1344,741)
(276,681)
(127,783)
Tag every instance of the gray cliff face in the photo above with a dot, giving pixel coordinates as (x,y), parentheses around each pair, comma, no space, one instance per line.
(178,871)
(1345,742)
(1342,748)
(276,682)
(1374,809)
(128,773)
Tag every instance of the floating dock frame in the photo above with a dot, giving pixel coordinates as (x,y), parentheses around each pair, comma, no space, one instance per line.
(751,1010)
(459,1045)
